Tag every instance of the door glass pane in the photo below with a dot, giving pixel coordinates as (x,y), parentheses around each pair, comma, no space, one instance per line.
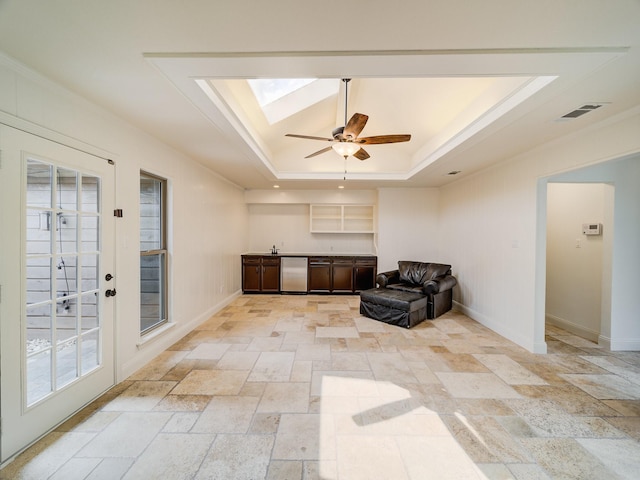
(38,232)
(90,351)
(151,290)
(67,185)
(39,181)
(66,276)
(66,319)
(66,232)
(38,279)
(90,193)
(89,312)
(39,329)
(39,374)
(90,279)
(89,235)
(66,362)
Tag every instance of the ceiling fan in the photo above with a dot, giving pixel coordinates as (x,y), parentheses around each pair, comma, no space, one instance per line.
(345,139)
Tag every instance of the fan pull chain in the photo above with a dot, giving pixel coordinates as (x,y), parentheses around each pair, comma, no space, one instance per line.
(345,168)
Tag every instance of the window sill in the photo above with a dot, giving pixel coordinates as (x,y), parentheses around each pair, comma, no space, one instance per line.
(155,333)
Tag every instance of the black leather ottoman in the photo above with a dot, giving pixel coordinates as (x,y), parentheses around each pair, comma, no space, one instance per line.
(404,309)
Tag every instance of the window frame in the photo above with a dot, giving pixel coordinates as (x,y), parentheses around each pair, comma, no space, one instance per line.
(162,253)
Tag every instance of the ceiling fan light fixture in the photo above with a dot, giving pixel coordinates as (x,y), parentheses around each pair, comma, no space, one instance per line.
(345,149)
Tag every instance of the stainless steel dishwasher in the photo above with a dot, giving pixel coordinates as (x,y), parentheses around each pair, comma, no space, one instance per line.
(293,274)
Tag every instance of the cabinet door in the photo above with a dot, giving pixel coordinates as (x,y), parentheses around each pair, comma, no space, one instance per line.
(270,278)
(342,272)
(365,274)
(251,277)
(319,275)
(365,277)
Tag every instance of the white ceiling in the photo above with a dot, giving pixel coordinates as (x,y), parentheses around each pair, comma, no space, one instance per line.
(473,84)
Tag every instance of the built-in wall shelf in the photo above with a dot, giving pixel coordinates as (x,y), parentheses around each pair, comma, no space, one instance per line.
(342,219)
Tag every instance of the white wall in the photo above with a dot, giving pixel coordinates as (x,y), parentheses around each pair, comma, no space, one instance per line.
(575,262)
(281,218)
(408,227)
(493,225)
(209,219)
(488,232)
(287,227)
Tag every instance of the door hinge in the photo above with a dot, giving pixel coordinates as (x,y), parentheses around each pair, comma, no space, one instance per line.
(117,213)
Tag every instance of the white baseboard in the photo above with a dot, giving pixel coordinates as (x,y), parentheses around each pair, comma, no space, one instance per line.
(148,350)
(604,342)
(500,329)
(613,344)
(626,345)
(571,327)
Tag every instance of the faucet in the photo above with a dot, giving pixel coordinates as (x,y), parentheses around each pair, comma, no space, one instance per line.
(274,250)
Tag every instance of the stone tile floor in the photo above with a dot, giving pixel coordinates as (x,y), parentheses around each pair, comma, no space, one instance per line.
(303,387)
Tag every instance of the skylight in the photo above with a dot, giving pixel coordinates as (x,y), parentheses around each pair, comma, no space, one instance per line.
(271,89)
(280,98)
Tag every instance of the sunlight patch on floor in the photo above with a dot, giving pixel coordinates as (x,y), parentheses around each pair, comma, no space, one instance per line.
(373,429)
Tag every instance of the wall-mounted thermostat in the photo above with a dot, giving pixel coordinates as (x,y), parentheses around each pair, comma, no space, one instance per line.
(591,228)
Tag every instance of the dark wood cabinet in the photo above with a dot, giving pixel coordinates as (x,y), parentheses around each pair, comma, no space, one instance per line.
(319,275)
(364,273)
(251,267)
(325,274)
(260,274)
(342,275)
(270,274)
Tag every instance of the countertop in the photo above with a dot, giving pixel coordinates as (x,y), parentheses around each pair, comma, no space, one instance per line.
(315,254)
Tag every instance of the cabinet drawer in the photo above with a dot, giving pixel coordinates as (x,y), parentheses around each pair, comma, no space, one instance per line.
(251,260)
(343,261)
(319,261)
(366,261)
(271,260)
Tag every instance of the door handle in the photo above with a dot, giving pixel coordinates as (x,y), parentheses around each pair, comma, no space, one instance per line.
(108,277)
(110,293)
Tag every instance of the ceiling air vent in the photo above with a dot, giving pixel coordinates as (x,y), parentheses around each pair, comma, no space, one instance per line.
(578,112)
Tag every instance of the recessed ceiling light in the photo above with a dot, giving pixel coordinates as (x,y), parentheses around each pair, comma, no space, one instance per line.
(276,186)
(340,186)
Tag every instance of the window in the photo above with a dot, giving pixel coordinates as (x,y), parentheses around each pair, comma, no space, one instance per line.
(153,252)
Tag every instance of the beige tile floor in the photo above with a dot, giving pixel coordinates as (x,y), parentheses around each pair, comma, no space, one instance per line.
(303,387)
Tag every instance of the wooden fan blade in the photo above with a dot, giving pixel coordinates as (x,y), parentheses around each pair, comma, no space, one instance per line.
(309,137)
(361,154)
(379,139)
(319,152)
(355,125)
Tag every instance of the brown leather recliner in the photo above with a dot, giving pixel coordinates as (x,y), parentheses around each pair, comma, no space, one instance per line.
(431,279)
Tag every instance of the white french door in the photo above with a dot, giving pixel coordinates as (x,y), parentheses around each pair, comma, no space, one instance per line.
(56,263)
